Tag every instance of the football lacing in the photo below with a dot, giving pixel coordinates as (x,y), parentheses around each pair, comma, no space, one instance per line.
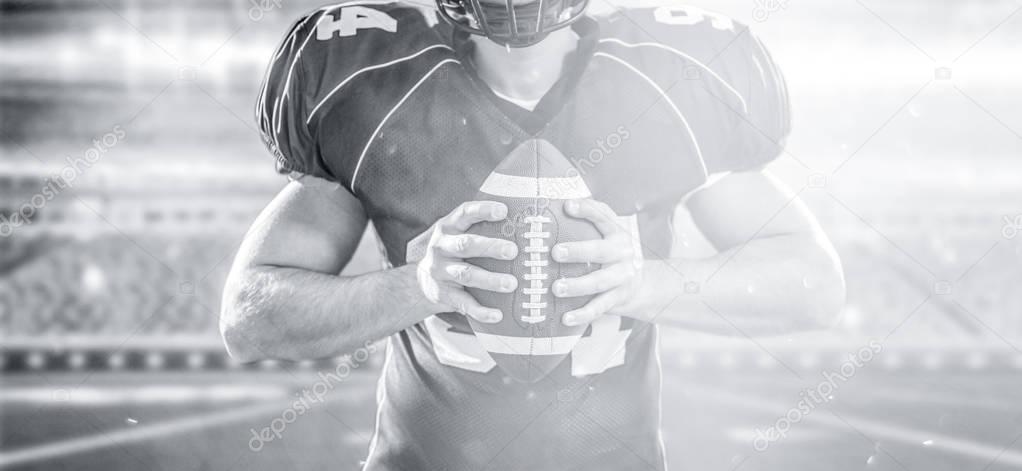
(536,262)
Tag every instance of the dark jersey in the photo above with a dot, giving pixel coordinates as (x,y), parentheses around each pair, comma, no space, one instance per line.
(382,98)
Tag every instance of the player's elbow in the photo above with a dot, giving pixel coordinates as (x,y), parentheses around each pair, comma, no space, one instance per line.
(237,336)
(238,346)
(243,320)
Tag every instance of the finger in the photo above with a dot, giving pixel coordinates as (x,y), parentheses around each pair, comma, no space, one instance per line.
(464,303)
(465,274)
(601,251)
(471,245)
(596,307)
(596,282)
(601,215)
(472,212)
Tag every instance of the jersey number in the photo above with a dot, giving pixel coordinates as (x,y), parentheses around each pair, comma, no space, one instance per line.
(352,19)
(603,349)
(688,16)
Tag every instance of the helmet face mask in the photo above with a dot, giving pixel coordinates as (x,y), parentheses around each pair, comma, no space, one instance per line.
(508,23)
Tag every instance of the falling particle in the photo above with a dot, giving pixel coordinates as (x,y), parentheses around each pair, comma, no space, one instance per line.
(928,443)
(872,459)
(131,421)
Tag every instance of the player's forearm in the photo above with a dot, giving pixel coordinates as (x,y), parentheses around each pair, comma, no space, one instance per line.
(293,314)
(770,286)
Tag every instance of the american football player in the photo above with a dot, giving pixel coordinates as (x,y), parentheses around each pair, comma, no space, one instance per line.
(394,114)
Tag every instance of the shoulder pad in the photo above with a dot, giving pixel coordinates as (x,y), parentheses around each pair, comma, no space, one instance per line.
(677,41)
(321,51)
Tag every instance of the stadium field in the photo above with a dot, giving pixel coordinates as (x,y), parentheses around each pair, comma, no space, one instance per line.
(888,415)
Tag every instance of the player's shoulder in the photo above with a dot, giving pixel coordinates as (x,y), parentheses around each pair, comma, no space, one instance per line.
(355,32)
(675,41)
(367,49)
(698,33)
(332,43)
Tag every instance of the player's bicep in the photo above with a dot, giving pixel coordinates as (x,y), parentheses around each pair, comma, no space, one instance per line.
(311,224)
(743,206)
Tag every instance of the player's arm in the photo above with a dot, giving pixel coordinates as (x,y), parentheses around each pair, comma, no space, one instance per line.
(284,298)
(776,271)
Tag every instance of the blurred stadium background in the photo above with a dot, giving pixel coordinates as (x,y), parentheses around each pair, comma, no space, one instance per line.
(907,145)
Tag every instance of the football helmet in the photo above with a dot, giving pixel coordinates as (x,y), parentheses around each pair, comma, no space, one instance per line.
(513,23)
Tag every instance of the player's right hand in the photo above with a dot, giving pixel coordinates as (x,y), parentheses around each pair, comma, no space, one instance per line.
(443,273)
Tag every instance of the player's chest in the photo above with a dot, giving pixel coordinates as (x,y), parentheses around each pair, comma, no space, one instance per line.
(436,149)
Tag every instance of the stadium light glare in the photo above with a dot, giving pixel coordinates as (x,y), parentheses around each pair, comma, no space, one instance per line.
(35,360)
(115,360)
(76,360)
(196,360)
(154,360)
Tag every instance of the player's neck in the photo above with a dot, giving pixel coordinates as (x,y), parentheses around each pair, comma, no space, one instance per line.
(523,73)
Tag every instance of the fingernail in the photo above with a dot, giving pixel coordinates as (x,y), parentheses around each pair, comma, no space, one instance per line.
(560,289)
(508,252)
(569,319)
(499,211)
(560,253)
(507,284)
(571,206)
(457,271)
(493,316)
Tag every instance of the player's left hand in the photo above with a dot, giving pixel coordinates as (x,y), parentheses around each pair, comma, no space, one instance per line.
(619,278)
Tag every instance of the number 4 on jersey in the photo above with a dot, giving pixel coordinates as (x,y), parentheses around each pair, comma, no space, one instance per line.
(352,19)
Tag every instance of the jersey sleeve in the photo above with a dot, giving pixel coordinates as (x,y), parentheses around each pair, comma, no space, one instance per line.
(282,107)
(334,78)
(757,126)
(722,77)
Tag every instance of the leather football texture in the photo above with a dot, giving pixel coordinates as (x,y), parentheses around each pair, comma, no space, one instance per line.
(535,181)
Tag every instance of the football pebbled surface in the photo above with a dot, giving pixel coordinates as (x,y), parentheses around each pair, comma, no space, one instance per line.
(535,181)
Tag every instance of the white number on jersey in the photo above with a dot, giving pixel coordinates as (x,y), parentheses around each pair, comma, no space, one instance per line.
(676,15)
(352,19)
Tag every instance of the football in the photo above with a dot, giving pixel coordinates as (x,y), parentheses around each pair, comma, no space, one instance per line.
(534,181)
